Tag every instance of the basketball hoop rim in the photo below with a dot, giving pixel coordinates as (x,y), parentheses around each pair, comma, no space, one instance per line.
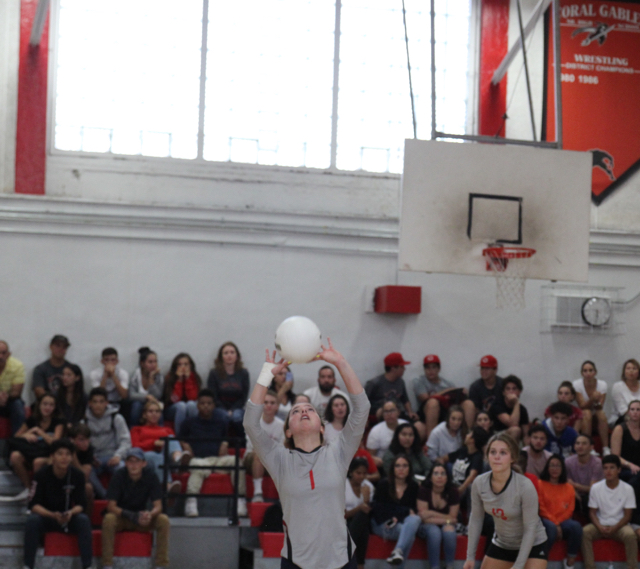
(508,252)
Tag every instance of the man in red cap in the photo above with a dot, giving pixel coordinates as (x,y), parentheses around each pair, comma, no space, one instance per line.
(484,391)
(390,386)
(435,395)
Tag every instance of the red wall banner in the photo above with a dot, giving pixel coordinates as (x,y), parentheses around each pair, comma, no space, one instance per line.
(600,58)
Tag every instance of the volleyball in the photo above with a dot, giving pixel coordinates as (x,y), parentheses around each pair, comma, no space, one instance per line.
(298,339)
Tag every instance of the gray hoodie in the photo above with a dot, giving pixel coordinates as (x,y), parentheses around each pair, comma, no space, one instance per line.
(109,433)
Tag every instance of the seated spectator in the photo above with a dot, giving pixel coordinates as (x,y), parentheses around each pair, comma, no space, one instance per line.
(557,500)
(567,394)
(625,441)
(625,391)
(560,437)
(80,436)
(583,470)
(148,437)
(58,504)
(111,377)
(394,509)
(357,506)
(111,438)
(611,504)
(435,395)
(485,390)
(467,461)
(210,423)
(30,448)
(229,382)
(147,384)
(390,386)
(135,505)
(484,420)
(438,505)
(380,436)
(335,416)
(11,384)
(181,387)
(447,437)
(47,376)
(507,413)
(274,427)
(537,456)
(282,384)
(591,394)
(406,441)
(319,396)
(71,399)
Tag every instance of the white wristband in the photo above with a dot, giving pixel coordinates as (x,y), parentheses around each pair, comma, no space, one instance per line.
(266,377)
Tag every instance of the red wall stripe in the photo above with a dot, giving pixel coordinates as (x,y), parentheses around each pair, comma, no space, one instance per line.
(31,138)
(494,45)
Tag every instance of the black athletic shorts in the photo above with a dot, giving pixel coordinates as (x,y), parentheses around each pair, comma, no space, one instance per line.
(510,555)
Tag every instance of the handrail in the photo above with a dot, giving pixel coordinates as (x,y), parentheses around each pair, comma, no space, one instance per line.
(167,467)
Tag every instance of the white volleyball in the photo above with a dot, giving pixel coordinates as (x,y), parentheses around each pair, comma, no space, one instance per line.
(298,339)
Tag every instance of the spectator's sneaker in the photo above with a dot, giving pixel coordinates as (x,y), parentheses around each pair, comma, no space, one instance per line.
(461,529)
(242,507)
(257,498)
(396,557)
(191,508)
(182,458)
(594,452)
(606,451)
(564,563)
(174,487)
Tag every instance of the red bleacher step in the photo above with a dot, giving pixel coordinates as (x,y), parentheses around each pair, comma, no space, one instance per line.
(127,544)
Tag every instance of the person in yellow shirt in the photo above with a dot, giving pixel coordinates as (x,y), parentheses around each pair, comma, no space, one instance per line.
(557,501)
(11,384)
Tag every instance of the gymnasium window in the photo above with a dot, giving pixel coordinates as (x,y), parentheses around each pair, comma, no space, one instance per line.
(259,84)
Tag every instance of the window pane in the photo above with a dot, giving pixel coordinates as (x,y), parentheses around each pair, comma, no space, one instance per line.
(374,109)
(269,82)
(128,77)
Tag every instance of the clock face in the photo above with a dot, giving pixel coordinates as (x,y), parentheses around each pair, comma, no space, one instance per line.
(596,311)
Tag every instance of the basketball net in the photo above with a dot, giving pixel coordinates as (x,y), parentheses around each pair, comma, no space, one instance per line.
(508,265)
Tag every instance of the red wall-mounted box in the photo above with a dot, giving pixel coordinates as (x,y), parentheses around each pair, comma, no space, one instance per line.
(398,299)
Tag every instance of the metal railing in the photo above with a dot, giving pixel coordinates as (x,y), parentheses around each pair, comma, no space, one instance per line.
(168,467)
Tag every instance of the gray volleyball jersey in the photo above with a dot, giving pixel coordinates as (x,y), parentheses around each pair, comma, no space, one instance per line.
(515,514)
(311,489)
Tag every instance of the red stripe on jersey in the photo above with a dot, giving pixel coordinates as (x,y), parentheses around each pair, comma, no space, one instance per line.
(313,484)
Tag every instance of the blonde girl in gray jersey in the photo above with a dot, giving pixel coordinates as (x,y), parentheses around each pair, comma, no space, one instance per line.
(520,540)
(309,475)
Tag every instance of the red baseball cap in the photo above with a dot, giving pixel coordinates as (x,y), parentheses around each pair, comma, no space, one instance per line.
(395,359)
(488,361)
(431,359)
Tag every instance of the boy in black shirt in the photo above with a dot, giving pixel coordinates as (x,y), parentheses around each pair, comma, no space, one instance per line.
(131,491)
(467,461)
(83,458)
(58,504)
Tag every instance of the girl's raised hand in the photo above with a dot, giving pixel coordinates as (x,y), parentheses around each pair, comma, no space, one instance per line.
(330,354)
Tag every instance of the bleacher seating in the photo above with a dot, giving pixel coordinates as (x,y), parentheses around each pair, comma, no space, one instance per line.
(605,550)
(127,544)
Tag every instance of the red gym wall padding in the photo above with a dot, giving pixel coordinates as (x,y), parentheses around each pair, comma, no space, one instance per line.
(494,45)
(31,138)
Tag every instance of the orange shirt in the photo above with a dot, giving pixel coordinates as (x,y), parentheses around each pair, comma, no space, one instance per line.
(557,501)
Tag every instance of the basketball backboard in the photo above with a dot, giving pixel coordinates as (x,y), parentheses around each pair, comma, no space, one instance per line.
(459,198)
